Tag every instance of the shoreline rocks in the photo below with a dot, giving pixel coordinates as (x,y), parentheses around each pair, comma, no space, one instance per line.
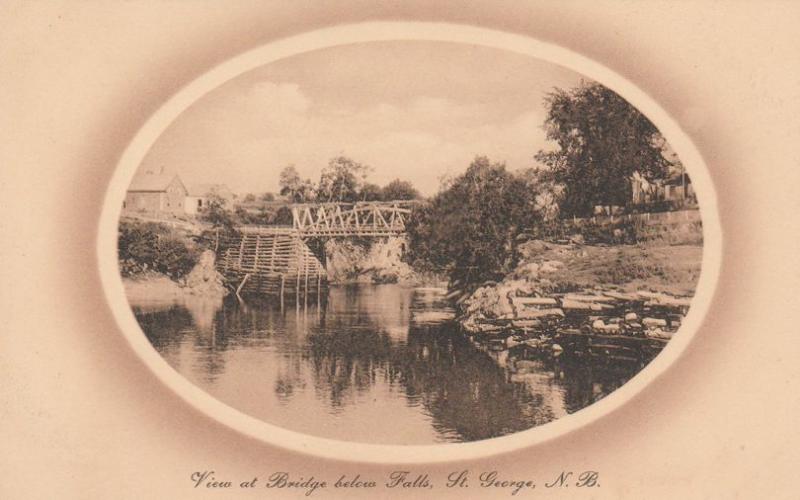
(526,303)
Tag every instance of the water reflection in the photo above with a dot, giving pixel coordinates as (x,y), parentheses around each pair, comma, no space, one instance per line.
(373,363)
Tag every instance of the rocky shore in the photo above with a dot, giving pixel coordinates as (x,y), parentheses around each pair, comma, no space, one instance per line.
(570,289)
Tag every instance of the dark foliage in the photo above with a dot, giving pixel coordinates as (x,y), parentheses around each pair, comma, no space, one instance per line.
(602,140)
(223,225)
(370,192)
(469,230)
(400,190)
(282,216)
(217,214)
(152,247)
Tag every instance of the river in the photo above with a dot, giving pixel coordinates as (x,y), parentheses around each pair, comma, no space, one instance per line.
(373,363)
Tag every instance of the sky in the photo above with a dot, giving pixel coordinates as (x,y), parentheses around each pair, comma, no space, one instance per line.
(416,111)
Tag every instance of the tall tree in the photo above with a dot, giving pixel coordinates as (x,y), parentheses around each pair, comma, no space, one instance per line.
(470,229)
(297,189)
(602,140)
(400,190)
(342,180)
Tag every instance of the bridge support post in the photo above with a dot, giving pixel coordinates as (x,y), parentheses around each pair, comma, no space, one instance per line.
(283,285)
(297,284)
(305,275)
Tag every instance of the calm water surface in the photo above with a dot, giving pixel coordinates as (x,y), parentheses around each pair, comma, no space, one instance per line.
(374,363)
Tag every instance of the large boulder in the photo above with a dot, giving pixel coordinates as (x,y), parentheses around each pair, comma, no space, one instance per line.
(344,260)
(204,278)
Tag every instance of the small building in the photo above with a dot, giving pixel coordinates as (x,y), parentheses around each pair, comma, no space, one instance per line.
(677,188)
(155,194)
(198,196)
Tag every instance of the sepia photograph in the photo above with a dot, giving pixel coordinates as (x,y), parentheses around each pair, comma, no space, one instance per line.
(410,242)
(419,249)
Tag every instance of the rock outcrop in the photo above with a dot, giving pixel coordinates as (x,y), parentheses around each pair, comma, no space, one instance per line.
(202,281)
(204,278)
(544,292)
(378,261)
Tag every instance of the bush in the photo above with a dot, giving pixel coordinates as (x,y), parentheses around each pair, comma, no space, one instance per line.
(153,247)
(470,230)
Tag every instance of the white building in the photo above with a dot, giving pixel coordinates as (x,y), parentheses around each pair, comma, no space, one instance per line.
(198,196)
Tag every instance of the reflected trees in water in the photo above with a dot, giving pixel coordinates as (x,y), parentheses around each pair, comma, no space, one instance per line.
(361,348)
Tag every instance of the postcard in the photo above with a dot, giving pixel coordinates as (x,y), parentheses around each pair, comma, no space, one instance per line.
(535,252)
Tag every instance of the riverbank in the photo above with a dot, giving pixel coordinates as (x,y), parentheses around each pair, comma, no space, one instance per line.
(153,287)
(663,268)
(624,290)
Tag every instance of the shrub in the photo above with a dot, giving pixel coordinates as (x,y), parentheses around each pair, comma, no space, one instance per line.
(152,247)
(469,230)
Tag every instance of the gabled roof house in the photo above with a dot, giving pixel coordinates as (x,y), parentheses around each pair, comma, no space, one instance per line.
(156,194)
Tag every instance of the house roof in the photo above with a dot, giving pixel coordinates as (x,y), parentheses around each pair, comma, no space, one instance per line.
(152,182)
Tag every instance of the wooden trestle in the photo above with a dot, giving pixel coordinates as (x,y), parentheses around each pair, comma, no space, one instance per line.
(272,261)
(275,260)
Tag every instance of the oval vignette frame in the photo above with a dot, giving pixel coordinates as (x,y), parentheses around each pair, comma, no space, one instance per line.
(399,31)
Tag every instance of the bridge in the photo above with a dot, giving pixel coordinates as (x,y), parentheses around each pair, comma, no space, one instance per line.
(277,260)
(364,219)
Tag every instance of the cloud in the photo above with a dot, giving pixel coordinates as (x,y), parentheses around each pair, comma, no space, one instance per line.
(281,98)
(244,139)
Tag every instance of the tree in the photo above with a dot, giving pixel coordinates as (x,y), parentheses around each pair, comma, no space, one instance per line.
(342,179)
(602,141)
(400,190)
(370,192)
(297,189)
(470,229)
(548,192)
(217,214)
(223,223)
(249,198)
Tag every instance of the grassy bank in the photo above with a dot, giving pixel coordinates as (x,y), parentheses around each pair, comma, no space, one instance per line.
(676,228)
(656,267)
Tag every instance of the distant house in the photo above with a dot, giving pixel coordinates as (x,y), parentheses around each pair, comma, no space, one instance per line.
(679,188)
(676,188)
(155,194)
(198,196)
